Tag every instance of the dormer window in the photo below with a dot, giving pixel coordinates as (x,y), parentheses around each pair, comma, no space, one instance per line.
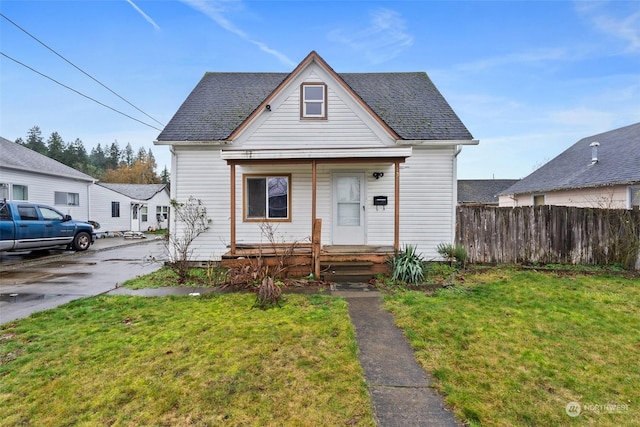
(313,101)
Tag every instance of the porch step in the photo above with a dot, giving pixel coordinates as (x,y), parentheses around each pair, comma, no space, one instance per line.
(350,272)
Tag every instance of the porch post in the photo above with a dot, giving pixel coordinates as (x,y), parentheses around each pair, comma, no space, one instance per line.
(313,193)
(232,206)
(396,229)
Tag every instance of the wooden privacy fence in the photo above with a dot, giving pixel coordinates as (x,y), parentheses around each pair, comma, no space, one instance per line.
(550,235)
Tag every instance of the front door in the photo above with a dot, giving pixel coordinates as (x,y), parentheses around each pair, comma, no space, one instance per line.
(348,209)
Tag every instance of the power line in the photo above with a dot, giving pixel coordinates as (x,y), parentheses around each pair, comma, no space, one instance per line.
(77,68)
(78,92)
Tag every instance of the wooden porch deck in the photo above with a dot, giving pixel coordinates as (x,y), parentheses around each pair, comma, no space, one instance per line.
(358,262)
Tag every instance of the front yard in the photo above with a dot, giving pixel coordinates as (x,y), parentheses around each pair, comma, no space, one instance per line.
(123,360)
(506,347)
(511,347)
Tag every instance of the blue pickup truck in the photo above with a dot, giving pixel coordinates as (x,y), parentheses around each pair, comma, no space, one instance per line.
(32,226)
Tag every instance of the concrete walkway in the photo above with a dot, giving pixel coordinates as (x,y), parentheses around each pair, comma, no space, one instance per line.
(399,387)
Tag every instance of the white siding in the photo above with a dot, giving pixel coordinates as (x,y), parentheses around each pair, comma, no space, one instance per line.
(610,197)
(347,123)
(42,188)
(202,174)
(159,199)
(427,207)
(426,201)
(101,199)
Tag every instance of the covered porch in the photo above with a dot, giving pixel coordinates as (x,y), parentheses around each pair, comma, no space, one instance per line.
(323,259)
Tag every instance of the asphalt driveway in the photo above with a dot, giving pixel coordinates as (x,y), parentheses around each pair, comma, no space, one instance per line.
(31,285)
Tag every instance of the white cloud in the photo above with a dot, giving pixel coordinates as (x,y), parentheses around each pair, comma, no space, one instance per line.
(383,39)
(215,10)
(144,15)
(622,23)
(538,56)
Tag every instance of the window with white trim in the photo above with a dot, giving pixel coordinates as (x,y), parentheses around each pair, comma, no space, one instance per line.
(634,196)
(20,192)
(144,213)
(538,200)
(66,199)
(313,101)
(267,197)
(162,213)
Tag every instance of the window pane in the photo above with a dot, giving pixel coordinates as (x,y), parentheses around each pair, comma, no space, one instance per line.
(313,109)
(143,213)
(73,199)
(115,209)
(278,197)
(50,214)
(256,197)
(28,213)
(313,93)
(60,198)
(4,213)
(349,214)
(20,192)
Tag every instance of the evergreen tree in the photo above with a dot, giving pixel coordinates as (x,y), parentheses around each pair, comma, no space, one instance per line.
(35,141)
(113,156)
(128,155)
(56,147)
(165,177)
(77,156)
(98,159)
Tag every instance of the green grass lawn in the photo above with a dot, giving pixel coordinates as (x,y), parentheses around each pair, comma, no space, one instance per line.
(210,360)
(511,348)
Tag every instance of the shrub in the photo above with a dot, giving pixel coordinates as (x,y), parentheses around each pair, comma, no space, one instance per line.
(407,265)
(455,254)
(268,294)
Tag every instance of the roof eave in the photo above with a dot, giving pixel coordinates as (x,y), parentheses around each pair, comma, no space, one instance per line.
(41,172)
(437,142)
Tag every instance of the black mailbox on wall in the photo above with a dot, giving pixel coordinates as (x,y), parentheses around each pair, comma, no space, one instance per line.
(379,200)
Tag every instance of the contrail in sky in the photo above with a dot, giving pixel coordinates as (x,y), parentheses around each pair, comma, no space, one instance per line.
(214,10)
(144,15)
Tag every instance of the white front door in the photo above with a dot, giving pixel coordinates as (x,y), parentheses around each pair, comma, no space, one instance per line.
(348,209)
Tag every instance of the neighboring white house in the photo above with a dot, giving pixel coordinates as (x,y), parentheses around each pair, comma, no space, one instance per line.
(373,155)
(599,171)
(134,207)
(26,175)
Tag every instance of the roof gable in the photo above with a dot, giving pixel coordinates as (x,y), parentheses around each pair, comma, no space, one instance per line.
(18,157)
(618,164)
(408,105)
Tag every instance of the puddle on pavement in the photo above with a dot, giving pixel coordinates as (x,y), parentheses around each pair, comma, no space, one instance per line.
(36,275)
(62,264)
(17,298)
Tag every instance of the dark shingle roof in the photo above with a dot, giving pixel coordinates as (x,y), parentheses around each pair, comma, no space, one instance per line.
(618,164)
(135,191)
(18,157)
(408,102)
(483,191)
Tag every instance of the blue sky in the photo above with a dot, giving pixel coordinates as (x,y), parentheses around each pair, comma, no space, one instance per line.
(528,78)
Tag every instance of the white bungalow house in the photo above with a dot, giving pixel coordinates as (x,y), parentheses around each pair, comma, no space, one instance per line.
(350,162)
(130,207)
(26,175)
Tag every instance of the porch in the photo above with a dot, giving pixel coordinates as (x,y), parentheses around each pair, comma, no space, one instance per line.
(335,263)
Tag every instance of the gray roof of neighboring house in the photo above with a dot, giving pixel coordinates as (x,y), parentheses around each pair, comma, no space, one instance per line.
(409,103)
(483,191)
(618,164)
(135,191)
(18,157)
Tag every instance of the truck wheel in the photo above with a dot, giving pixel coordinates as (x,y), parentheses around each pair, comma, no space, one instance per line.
(82,241)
